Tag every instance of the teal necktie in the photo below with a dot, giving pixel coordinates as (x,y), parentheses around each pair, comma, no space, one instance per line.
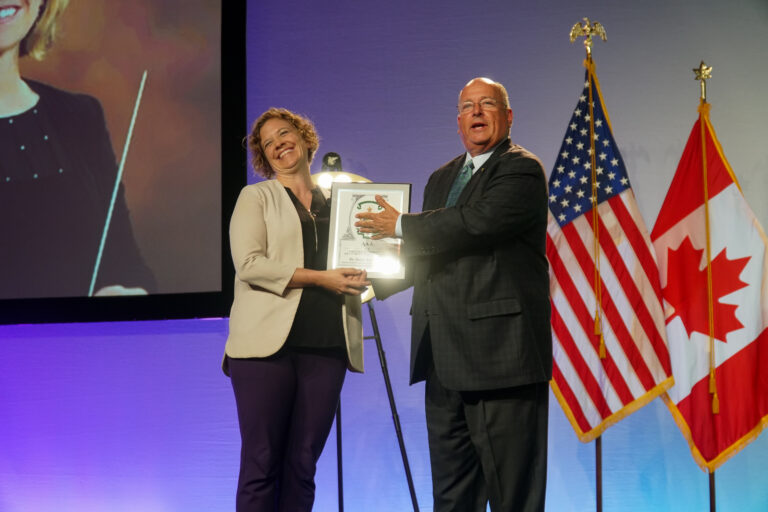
(459,183)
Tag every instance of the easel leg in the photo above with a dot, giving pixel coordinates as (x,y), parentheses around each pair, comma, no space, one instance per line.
(340,473)
(395,417)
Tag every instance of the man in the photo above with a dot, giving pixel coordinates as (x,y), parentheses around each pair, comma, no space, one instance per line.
(481,333)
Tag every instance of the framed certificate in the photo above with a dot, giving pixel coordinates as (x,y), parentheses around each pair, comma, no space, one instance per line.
(347,246)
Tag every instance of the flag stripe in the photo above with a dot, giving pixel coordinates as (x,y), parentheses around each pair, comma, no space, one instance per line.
(587,378)
(641,245)
(637,303)
(610,312)
(648,284)
(610,286)
(576,323)
(570,398)
(589,363)
(585,318)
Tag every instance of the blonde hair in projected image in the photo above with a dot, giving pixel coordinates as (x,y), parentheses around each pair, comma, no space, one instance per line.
(42,34)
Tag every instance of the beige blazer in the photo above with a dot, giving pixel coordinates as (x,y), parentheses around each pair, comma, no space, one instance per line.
(266,244)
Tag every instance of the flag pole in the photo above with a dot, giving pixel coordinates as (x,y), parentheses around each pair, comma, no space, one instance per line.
(587,30)
(599,473)
(704,72)
(590,65)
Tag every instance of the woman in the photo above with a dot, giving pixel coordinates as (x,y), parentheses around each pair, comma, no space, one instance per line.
(57,173)
(294,326)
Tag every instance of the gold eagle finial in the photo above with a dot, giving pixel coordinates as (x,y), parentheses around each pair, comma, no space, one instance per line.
(587,30)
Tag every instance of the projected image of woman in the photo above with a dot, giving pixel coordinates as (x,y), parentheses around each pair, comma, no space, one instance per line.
(294,327)
(57,174)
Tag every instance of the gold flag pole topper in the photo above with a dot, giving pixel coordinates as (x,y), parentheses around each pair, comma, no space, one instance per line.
(588,30)
(703,73)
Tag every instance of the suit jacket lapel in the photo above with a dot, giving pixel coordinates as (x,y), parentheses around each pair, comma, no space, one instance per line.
(478,175)
(443,187)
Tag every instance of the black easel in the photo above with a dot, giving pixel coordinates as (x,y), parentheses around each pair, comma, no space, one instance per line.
(395,418)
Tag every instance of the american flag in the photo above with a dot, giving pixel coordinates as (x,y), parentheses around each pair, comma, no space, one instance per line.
(598,387)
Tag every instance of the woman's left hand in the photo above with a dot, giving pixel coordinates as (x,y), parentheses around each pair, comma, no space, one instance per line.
(350,281)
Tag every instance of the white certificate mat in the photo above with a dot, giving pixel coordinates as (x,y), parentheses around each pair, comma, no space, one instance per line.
(347,246)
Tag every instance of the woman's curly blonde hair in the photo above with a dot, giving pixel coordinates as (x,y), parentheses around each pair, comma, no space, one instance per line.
(303,125)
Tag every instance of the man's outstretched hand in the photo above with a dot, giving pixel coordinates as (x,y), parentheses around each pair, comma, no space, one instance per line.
(379,225)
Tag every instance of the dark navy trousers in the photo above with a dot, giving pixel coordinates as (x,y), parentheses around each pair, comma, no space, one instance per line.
(286,404)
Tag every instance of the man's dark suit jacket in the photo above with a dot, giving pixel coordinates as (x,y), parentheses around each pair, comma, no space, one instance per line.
(480,275)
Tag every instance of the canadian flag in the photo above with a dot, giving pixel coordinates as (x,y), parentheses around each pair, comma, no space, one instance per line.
(720,395)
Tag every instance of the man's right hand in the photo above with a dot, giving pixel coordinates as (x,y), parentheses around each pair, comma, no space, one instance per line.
(379,225)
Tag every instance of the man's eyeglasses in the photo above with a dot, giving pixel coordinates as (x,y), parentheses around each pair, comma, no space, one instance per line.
(486,104)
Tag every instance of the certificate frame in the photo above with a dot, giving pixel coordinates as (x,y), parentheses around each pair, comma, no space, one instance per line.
(347,246)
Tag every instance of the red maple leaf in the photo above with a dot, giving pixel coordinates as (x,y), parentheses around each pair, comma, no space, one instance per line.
(686,289)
